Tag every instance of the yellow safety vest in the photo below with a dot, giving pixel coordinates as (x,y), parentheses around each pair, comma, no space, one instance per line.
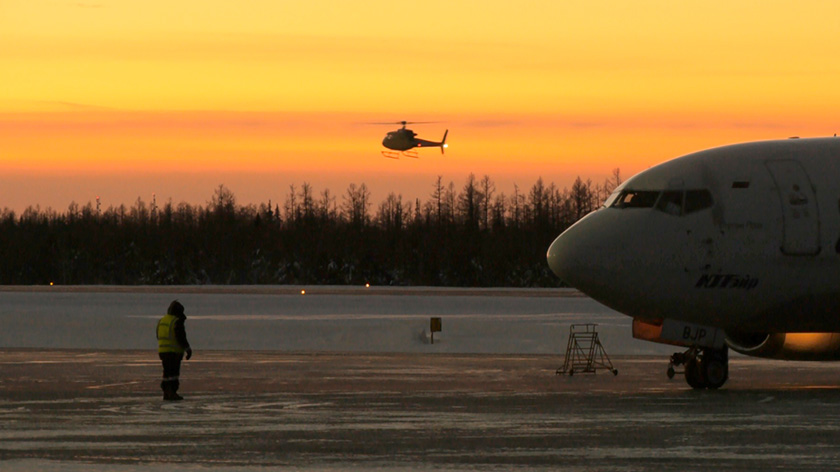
(166,335)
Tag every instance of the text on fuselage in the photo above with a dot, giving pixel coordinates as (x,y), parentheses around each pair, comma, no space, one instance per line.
(726,281)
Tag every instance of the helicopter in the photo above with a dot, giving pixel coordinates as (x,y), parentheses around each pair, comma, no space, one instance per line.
(403,141)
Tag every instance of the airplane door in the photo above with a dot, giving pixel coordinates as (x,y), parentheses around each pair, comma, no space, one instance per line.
(799,208)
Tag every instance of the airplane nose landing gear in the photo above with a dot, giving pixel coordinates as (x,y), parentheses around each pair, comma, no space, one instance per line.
(704,367)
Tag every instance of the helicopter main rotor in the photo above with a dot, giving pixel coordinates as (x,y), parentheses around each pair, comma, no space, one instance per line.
(403,123)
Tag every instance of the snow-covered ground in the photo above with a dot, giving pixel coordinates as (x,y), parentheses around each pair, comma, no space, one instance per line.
(353,320)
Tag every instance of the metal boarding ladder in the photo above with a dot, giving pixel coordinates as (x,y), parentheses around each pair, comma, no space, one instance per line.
(584,352)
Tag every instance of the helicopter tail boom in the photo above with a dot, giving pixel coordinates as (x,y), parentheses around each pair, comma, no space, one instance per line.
(423,143)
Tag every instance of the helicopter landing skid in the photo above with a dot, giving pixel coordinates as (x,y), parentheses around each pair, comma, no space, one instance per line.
(397,154)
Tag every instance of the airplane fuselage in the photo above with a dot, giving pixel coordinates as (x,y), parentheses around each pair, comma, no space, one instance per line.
(745,238)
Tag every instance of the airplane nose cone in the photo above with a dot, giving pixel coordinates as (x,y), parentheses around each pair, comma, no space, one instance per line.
(562,258)
(601,253)
(578,255)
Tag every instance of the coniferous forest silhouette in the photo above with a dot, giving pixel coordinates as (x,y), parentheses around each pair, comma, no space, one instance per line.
(472,236)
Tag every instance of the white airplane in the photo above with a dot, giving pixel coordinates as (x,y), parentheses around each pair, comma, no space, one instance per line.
(733,247)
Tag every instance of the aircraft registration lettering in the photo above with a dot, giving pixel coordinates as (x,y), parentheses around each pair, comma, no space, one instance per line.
(689,334)
(693,334)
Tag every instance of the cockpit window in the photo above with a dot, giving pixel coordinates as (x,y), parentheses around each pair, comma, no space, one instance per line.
(696,200)
(636,199)
(611,199)
(677,202)
(671,202)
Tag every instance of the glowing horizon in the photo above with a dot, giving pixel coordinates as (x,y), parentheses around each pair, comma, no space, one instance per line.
(277,92)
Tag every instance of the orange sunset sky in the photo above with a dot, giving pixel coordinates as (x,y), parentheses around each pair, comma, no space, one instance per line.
(125,99)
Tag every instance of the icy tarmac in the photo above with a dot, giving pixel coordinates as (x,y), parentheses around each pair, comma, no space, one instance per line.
(368,406)
(92,410)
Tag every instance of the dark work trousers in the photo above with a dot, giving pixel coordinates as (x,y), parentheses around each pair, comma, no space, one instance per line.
(171,370)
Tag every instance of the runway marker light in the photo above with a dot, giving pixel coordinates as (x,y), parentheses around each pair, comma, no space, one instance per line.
(367,285)
(51,284)
(303,292)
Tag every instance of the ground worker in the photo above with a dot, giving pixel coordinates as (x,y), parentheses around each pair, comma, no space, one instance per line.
(172,344)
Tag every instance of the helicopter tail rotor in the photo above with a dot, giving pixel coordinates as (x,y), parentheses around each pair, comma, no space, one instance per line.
(443,144)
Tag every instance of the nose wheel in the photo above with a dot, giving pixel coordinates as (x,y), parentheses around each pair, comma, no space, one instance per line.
(704,367)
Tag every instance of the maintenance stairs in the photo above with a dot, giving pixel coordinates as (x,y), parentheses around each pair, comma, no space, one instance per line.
(584,352)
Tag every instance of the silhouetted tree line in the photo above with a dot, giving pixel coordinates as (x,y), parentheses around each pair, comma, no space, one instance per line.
(472,236)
